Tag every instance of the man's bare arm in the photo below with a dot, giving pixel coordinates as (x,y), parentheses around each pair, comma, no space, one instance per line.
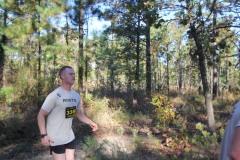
(81,116)
(42,127)
(41,121)
(235,149)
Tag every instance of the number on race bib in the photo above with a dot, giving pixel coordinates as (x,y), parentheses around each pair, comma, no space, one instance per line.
(70,112)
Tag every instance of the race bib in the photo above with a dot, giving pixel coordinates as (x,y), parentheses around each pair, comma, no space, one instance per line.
(70,112)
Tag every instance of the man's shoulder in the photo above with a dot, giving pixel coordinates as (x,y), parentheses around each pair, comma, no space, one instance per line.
(236,106)
(75,93)
(55,92)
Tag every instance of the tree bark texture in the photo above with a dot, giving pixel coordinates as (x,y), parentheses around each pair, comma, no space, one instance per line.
(39,55)
(111,67)
(203,73)
(138,53)
(2,60)
(80,47)
(148,62)
(2,51)
(210,111)
(168,78)
(215,63)
(86,65)
(180,81)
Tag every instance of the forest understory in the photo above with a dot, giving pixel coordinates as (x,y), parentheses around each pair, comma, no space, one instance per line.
(126,132)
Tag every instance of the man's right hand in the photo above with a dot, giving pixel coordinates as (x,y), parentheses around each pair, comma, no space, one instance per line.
(46,140)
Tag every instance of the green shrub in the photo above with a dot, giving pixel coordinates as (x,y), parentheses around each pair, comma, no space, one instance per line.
(137,139)
(206,139)
(93,149)
(164,110)
(90,144)
(196,100)
(7,95)
(105,116)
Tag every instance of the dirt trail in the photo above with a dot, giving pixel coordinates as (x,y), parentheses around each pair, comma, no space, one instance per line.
(33,150)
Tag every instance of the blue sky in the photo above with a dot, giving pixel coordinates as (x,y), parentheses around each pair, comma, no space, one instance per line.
(94,24)
(97,25)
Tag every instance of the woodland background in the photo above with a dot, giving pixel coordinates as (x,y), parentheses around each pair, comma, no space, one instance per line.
(160,81)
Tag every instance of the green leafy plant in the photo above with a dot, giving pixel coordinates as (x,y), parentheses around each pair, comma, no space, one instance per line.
(7,95)
(164,110)
(88,100)
(206,139)
(136,137)
(90,147)
(120,131)
(90,144)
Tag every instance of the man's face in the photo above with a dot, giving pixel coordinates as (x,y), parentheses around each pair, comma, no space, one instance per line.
(68,76)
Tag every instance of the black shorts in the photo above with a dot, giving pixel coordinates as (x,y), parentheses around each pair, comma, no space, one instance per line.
(60,149)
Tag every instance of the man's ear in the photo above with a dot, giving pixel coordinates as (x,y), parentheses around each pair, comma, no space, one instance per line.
(62,76)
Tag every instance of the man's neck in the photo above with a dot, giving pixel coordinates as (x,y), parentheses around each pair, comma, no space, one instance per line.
(66,87)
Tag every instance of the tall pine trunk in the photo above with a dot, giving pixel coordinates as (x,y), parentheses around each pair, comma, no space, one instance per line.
(2,60)
(215,63)
(226,72)
(137,78)
(168,78)
(86,64)
(112,74)
(148,62)
(2,51)
(203,73)
(198,39)
(215,77)
(180,81)
(138,53)
(80,47)
(39,55)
